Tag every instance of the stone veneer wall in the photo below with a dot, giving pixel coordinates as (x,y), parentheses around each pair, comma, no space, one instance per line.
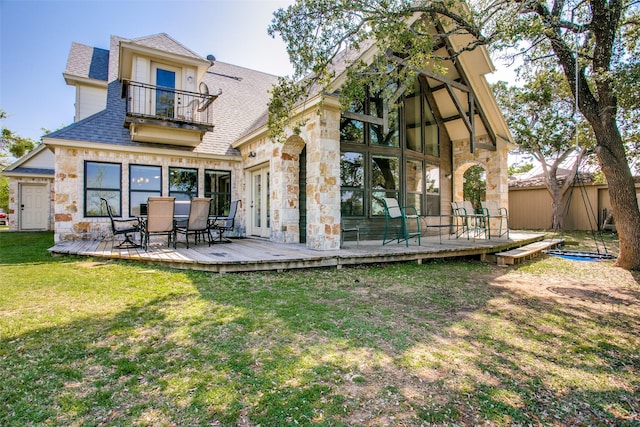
(70,223)
(14,199)
(285,191)
(321,136)
(494,162)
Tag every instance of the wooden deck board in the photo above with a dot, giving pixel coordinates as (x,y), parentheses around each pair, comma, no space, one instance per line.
(530,250)
(253,254)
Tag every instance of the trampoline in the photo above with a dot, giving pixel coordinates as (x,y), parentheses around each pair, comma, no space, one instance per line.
(579,256)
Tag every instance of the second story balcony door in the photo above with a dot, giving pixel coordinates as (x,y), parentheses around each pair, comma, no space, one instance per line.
(165,95)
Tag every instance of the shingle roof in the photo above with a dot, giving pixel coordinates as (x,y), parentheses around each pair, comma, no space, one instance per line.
(339,65)
(244,98)
(89,62)
(166,43)
(32,171)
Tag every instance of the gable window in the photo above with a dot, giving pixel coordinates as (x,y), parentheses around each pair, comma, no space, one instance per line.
(183,183)
(144,182)
(369,167)
(217,186)
(102,180)
(421,129)
(390,151)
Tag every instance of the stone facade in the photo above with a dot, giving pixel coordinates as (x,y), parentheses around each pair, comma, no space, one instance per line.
(71,223)
(320,134)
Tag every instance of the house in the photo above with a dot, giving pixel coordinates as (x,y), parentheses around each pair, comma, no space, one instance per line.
(154,118)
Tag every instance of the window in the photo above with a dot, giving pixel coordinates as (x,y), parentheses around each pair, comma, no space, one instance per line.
(217,186)
(432,180)
(352,184)
(102,180)
(420,123)
(385,174)
(390,151)
(144,182)
(415,184)
(183,183)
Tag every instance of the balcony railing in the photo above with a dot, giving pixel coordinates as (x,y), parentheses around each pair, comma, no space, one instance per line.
(180,107)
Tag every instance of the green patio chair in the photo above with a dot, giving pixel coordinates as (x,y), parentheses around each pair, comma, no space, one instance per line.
(401,221)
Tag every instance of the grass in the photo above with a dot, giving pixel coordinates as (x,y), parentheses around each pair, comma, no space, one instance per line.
(86,342)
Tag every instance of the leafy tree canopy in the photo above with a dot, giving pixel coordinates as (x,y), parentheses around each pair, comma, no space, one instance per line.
(13,144)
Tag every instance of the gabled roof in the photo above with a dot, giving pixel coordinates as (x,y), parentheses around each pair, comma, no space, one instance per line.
(87,62)
(244,98)
(165,43)
(38,162)
(466,73)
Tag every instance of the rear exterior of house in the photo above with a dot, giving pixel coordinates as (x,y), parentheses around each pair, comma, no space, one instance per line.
(156,119)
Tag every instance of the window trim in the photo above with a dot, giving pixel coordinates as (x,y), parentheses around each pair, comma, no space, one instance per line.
(87,189)
(132,165)
(174,193)
(227,194)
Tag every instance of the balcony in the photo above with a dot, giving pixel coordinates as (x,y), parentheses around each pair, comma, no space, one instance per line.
(166,115)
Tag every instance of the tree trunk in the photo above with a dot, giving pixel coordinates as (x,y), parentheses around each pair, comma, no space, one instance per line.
(622,194)
(557,197)
(600,111)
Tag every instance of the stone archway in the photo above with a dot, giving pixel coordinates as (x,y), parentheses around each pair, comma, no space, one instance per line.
(285,192)
(458,179)
(494,164)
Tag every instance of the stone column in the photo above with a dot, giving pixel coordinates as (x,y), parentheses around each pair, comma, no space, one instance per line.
(322,133)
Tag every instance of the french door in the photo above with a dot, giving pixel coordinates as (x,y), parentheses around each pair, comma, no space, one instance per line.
(259,221)
(166,80)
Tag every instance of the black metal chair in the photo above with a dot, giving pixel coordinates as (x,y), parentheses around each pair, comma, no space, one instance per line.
(222,224)
(124,227)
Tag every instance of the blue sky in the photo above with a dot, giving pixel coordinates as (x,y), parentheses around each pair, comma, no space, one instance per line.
(35,37)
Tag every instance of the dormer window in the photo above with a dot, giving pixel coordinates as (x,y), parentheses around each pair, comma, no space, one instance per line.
(163,101)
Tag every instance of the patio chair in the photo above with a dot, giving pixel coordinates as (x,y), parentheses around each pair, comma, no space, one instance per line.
(492,210)
(468,222)
(124,227)
(159,220)
(197,223)
(222,224)
(397,218)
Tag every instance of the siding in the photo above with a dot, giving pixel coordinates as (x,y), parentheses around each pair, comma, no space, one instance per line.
(530,208)
(90,100)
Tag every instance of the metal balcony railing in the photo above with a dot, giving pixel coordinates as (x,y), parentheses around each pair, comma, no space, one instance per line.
(167,104)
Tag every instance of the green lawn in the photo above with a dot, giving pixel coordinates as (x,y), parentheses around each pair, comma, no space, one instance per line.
(85,342)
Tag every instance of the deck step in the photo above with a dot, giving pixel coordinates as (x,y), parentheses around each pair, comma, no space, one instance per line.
(525,252)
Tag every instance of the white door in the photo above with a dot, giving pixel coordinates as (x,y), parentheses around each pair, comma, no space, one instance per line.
(34,207)
(259,203)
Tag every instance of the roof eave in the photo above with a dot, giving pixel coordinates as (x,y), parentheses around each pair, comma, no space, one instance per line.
(69,143)
(72,80)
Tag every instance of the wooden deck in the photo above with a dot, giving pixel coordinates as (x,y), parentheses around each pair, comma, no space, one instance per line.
(250,254)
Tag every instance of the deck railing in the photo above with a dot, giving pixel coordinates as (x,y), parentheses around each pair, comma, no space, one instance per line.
(168,104)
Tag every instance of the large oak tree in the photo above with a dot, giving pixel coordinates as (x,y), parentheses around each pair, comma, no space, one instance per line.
(541,115)
(592,42)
